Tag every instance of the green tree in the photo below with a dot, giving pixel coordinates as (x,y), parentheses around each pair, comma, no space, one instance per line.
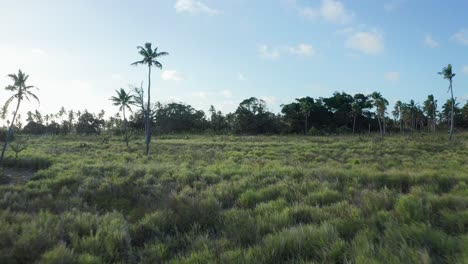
(150,56)
(22,91)
(307,105)
(124,100)
(448,74)
(397,113)
(380,104)
(430,106)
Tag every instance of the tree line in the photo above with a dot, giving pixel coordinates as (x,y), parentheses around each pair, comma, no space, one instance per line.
(340,113)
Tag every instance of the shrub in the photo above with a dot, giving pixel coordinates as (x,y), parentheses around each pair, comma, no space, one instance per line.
(58,255)
(321,244)
(240,226)
(323,197)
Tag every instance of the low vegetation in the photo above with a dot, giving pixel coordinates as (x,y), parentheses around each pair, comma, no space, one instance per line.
(238,199)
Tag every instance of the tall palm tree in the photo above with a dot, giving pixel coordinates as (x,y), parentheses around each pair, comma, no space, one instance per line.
(306,107)
(380,103)
(124,100)
(397,112)
(448,74)
(22,91)
(355,110)
(429,107)
(150,56)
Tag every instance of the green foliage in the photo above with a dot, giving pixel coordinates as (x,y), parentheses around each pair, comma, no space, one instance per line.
(237,199)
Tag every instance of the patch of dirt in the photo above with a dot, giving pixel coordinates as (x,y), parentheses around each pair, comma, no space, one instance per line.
(18,176)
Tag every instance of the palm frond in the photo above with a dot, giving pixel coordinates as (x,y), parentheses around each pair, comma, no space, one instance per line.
(28,93)
(7,103)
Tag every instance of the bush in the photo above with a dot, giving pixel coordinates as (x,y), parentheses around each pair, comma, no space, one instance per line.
(240,227)
(320,244)
(58,255)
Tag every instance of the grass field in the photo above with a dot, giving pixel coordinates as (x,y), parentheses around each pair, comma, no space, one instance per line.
(238,199)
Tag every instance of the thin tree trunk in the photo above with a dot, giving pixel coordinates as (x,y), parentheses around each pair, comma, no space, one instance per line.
(125,126)
(451,117)
(306,125)
(354,123)
(148,122)
(10,132)
(380,126)
(384,125)
(433,119)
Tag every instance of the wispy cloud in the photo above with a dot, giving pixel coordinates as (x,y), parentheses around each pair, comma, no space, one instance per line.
(302,50)
(194,7)
(269,99)
(367,42)
(392,76)
(226,93)
(37,51)
(461,37)
(330,10)
(465,70)
(268,53)
(200,94)
(171,75)
(429,41)
(241,77)
(393,4)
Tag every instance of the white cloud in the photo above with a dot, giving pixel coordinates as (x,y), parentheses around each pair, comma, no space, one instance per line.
(241,77)
(465,70)
(200,95)
(269,99)
(268,53)
(226,93)
(37,51)
(171,75)
(392,76)
(302,50)
(430,42)
(366,42)
(194,7)
(461,37)
(330,10)
(393,4)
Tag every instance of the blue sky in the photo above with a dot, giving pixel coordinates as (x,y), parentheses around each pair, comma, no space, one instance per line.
(79,52)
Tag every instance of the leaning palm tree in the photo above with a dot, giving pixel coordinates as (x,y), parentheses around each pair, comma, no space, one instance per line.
(124,100)
(150,56)
(22,91)
(448,74)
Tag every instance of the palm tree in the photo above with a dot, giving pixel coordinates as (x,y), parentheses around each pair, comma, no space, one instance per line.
(429,107)
(397,112)
(355,110)
(448,74)
(124,100)
(149,58)
(306,107)
(22,91)
(380,104)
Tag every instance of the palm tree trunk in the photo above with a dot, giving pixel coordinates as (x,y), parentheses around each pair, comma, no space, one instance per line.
(125,126)
(306,125)
(380,126)
(451,115)
(10,132)
(354,123)
(384,124)
(148,122)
